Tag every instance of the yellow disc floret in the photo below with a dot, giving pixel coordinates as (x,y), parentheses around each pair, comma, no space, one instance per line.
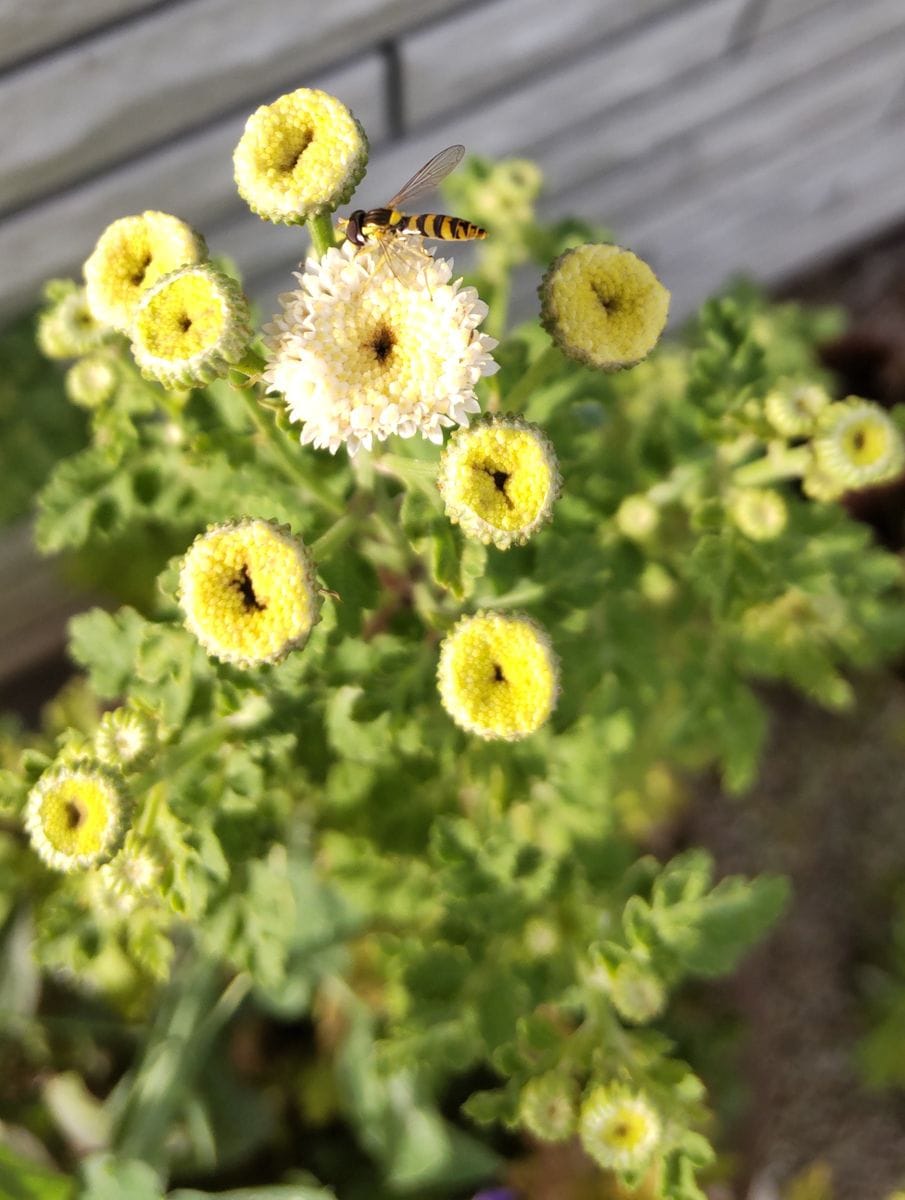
(130,255)
(299,157)
(499,479)
(618,1129)
(603,306)
(190,326)
(249,592)
(498,675)
(858,444)
(75,816)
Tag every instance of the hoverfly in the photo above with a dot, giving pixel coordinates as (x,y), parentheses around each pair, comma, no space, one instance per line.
(383,221)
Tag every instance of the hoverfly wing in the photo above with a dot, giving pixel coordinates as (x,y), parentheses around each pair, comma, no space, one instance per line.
(430,176)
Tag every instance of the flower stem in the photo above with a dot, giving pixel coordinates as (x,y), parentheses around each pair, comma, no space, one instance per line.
(774,466)
(540,370)
(335,536)
(291,464)
(323,237)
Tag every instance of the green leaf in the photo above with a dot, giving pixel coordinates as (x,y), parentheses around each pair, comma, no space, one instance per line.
(105,1177)
(106,645)
(24,1180)
(709,935)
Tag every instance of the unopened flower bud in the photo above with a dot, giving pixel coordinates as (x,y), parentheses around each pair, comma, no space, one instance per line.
(603,306)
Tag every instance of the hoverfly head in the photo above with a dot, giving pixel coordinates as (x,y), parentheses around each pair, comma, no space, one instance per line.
(353,227)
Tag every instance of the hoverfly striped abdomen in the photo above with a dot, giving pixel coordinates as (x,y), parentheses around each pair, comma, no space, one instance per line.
(441,226)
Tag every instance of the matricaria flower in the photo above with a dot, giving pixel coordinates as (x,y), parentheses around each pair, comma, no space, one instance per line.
(249,592)
(548,1106)
(498,675)
(603,306)
(618,1128)
(300,157)
(125,738)
(190,326)
(760,513)
(67,328)
(75,815)
(638,994)
(858,444)
(130,255)
(499,479)
(793,410)
(367,346)
(131,875)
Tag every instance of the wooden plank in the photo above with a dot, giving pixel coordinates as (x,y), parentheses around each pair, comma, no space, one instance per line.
(192,178)
(29,28)
(667,123)
(482,49)
(99,102)
(756,120)
(809,203)
(583,89)
(734,109)
(176,180)
(777,13)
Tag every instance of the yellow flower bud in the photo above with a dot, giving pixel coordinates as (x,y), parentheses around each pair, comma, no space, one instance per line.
(638,994)
(125,738)
(499,480)
(760,513)
(92,381)
(637,517)
(498,675)
(249,592)
(603,306)
(75,815)
(190,326)
(793,410)
(858,444)
(618,1128)
(130,255)
(67,328)
(300,157)
(548,1107)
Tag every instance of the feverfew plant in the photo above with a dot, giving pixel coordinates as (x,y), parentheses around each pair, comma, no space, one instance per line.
(383,750)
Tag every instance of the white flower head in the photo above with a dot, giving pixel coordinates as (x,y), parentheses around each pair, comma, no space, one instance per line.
(375,341)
